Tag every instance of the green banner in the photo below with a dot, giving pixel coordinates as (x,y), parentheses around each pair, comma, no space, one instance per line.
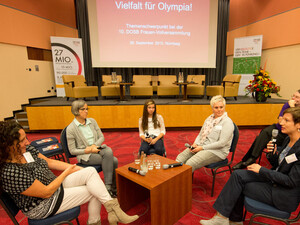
(246,65)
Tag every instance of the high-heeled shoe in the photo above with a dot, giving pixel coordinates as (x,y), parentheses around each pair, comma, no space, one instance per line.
(116,214)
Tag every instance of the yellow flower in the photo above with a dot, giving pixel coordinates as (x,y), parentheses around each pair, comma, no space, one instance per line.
(250,81)
(259,77)
(265,88)
(274,83)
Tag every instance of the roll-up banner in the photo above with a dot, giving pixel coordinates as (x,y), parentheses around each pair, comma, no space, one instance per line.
(67,60)
(246,59)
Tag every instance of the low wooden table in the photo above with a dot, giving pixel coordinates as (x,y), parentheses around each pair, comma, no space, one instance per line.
(170,190)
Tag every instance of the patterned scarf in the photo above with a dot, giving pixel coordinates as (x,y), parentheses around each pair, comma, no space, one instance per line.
(209,125)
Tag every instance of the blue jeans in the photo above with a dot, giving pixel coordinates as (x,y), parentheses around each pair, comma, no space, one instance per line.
(158,148)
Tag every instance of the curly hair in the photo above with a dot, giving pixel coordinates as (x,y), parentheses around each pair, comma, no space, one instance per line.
(145,115)
(9,132)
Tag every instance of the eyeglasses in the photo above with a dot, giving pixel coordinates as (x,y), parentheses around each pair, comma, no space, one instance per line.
(84,109)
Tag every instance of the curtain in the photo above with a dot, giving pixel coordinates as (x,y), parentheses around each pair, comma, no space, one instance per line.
(212,74)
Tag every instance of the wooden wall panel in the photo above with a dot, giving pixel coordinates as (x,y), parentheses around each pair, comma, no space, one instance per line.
(60,11)
(280,30)
(24,29)
(58,117)
(245,12)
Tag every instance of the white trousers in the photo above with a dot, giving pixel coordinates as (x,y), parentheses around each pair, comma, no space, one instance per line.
(84,186)
(198,160)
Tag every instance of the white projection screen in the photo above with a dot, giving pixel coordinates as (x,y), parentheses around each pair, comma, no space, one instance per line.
(154,33)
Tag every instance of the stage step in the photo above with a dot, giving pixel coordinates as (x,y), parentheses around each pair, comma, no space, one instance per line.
(21,118)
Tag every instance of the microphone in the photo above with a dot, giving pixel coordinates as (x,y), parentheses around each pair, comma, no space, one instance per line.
(102,146)
(188,146)
(140,172)
(167,166)
(274,136)
(146,134)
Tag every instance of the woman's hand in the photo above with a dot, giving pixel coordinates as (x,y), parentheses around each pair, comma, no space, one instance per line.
(254,167)
(197,149)
(271,147)
(71,169)
(91,149)
(292,103)
(153,141)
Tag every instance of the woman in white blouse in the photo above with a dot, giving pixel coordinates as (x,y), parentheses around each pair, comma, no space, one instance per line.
(152,129)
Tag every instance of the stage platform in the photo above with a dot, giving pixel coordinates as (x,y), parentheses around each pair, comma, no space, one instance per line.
(55,113)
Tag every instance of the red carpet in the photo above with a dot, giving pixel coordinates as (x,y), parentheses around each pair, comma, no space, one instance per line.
(124,143)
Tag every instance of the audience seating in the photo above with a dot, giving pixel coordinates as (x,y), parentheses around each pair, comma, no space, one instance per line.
(108,89)
(199,86)
(260,209)
(141,86)
(76,87)
(64,143)
(62,218)
(229,87)
(224,163)
(166,85)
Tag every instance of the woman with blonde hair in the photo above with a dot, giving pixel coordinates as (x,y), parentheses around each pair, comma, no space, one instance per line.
(214,140)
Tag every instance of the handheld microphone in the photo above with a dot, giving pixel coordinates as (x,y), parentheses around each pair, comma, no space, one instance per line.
(146,134)
(188,146)
(274,136)
(102,146)
(167,166)
(140,172)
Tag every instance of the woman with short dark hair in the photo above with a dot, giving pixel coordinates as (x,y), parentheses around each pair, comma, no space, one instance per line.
(85,140)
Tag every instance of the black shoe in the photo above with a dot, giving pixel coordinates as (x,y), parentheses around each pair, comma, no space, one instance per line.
(238,166)
(249,161)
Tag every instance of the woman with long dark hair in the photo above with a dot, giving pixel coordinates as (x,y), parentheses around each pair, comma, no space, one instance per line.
(25,174)
(151,129)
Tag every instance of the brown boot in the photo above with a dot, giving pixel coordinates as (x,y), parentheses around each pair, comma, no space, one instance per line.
(116,214)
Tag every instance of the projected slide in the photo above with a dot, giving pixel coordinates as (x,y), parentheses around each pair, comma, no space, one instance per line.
(169,33)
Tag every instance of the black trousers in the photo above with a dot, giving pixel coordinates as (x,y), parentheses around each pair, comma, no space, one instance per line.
(261,141)
(157,148)
(230,202)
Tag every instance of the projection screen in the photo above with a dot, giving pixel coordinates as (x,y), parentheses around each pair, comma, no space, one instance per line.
(156,33)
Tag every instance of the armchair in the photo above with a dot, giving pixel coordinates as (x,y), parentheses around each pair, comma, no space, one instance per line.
(167,86)
(76,87)
(109,89)
(229,87)
(141,86)
(196,89)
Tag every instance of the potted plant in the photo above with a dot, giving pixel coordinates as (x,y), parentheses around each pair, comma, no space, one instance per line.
(262,86)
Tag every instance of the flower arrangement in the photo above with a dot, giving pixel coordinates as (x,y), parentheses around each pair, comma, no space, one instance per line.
(262,85)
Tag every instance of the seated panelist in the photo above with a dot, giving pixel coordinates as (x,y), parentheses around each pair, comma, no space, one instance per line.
(261,141)
(278,187)
(25,174)
(151,129)
(85,141)
(214,140)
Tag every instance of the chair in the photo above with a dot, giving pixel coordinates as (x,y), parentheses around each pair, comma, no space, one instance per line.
(260,209)
(62,218)
(108,89)
(154,81)
(167,86)
(217,165)
(229,87)
(64,143)
(76,87)
(142,86)
(196,89)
